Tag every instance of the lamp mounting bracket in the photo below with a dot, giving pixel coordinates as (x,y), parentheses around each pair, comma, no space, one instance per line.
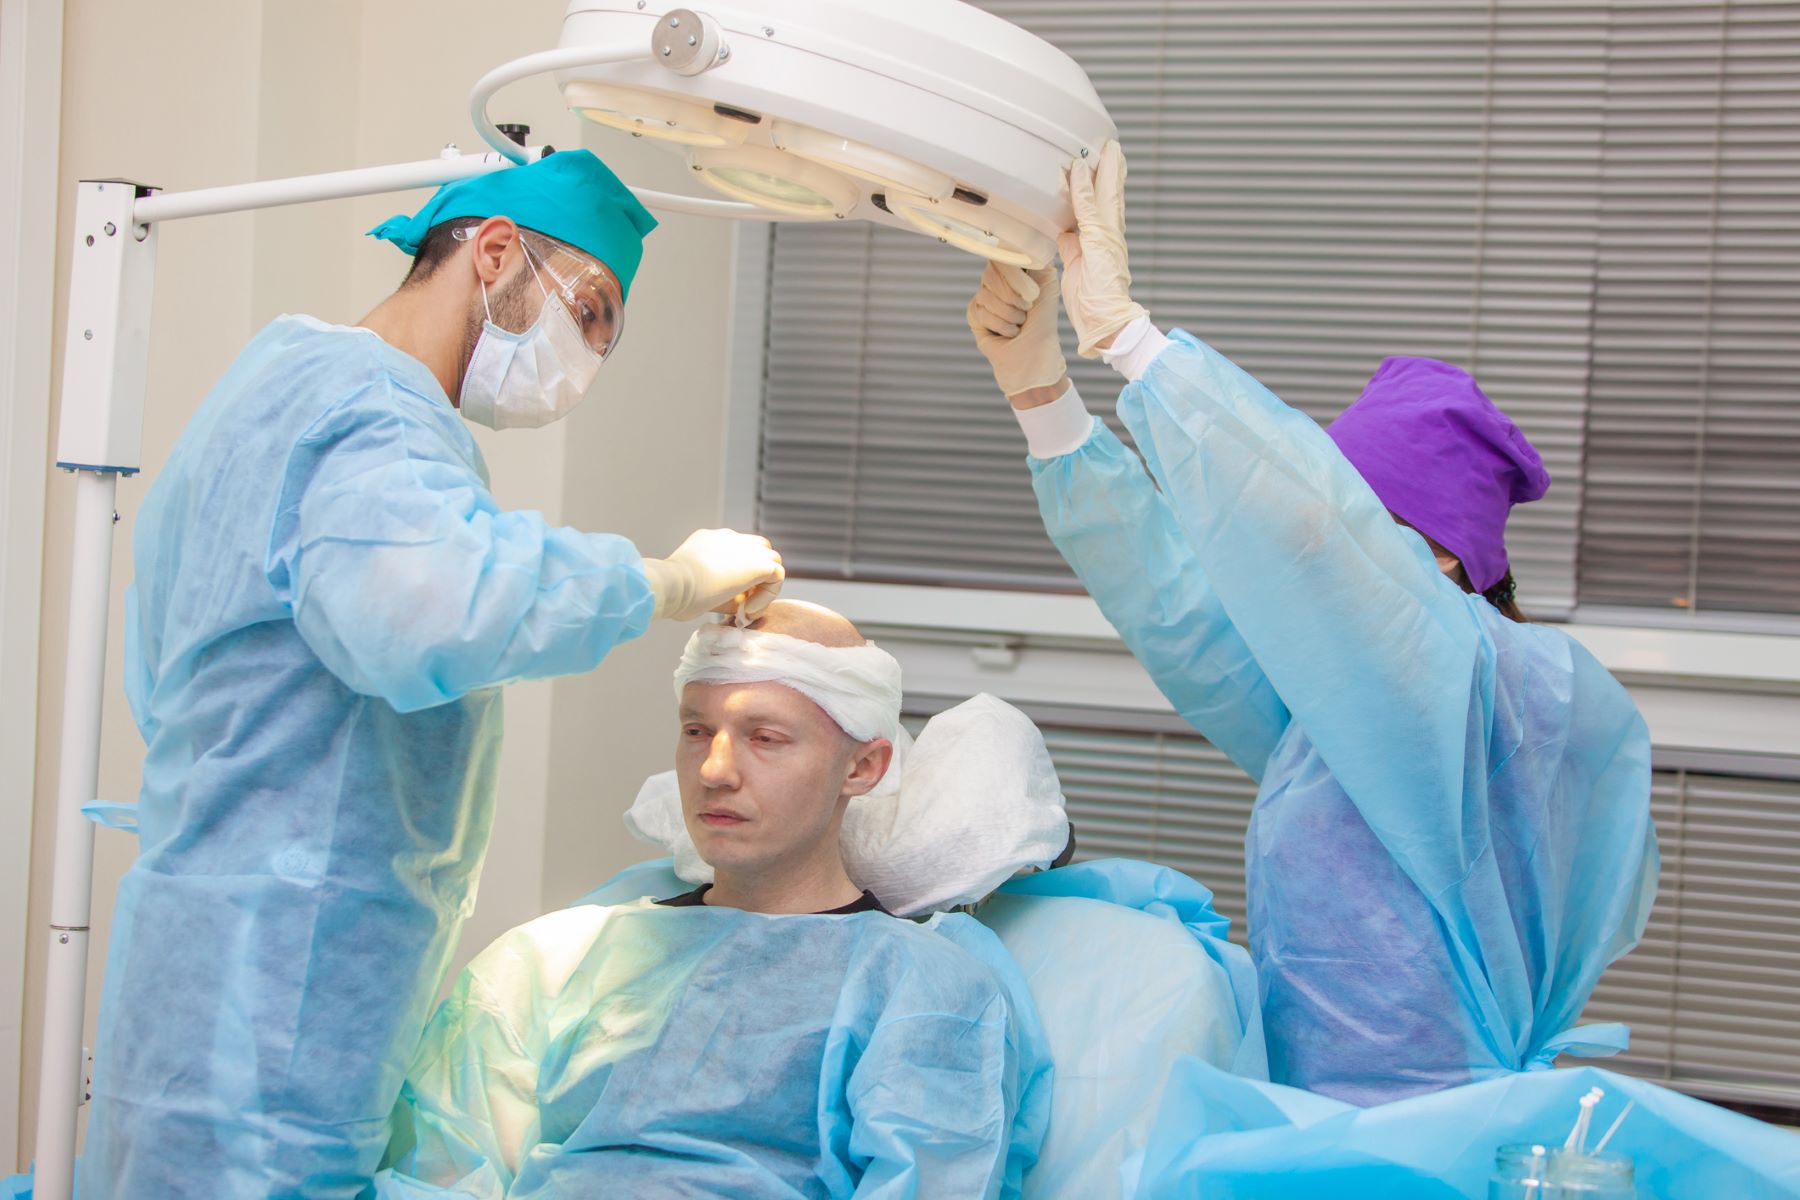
(688,42)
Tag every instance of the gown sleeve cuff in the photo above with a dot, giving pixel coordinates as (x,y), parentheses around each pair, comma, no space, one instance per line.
(1135,348)
(1057,428)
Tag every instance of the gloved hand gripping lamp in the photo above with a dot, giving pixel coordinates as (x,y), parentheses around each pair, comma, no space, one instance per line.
(928,115)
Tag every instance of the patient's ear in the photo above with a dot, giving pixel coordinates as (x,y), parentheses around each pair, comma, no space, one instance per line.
(867,766)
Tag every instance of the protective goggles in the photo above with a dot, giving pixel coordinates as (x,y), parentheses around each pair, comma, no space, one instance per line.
(586,288)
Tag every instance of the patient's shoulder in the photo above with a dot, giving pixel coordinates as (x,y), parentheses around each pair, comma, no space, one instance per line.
(947,961)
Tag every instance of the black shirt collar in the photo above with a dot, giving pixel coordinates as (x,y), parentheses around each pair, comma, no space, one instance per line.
(697,898)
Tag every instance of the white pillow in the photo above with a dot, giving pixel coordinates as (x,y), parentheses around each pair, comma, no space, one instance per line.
(970,803)
(1122,995)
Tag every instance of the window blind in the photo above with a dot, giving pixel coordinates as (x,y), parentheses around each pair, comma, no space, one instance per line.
(1709,992)
(1313,186)
(1693,470)
(1570,198)
(1170,798)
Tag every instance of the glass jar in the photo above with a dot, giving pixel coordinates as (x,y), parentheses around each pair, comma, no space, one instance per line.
(1590,1177)
(1528,1171)
(1519,1172)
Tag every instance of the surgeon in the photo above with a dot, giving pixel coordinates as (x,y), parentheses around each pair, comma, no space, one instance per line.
(775,1033)
(1452,835)
(327,601)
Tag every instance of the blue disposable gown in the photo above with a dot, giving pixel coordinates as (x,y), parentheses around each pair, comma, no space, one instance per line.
(646,1051)
(326,599)
(1452,836)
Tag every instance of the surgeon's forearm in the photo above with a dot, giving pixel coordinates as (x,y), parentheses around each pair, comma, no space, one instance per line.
(501,598)
(1345,612)
(1245,471)
(1119,535)
(1039,396)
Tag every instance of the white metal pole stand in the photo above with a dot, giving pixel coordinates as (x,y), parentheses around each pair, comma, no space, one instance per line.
(106,348)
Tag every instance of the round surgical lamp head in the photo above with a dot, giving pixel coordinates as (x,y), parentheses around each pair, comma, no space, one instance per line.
(960,122)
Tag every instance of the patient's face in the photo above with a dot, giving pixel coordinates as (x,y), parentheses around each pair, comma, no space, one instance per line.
(763,774)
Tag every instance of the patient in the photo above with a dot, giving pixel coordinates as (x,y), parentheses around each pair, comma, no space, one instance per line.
(773,1034)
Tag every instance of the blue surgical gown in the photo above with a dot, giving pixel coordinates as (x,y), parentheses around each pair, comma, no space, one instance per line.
(647,1051)
(1452,835)
(326,599)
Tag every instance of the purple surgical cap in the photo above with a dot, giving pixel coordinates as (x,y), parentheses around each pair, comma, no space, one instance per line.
(1442,458)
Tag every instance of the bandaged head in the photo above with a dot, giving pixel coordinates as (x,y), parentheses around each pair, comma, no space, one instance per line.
(858,687)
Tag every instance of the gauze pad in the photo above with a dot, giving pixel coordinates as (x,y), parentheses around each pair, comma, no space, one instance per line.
(857,686)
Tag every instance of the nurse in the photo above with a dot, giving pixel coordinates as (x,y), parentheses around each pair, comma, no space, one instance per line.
(1452,835)
(327,601)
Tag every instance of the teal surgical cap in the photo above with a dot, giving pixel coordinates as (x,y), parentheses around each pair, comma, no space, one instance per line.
(570,195)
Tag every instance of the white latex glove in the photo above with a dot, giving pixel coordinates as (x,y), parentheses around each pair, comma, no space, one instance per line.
(1096,282)
(716,570)
(1013,317)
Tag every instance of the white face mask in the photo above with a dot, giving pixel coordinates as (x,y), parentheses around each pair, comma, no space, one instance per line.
(524,380)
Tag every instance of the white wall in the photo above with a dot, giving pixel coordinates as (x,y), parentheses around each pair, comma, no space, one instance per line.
(30,102)
(220,91)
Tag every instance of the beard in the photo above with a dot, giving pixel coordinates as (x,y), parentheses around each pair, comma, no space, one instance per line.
(514,306)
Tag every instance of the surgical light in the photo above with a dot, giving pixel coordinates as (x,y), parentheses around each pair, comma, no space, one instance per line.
(931,115)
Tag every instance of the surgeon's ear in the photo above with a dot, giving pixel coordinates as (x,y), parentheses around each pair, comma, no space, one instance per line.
(868,766)
(493,240)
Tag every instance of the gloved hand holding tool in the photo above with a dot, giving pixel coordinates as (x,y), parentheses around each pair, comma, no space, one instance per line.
(716,570)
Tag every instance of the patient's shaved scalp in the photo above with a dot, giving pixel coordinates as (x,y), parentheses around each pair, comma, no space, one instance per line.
(810,623)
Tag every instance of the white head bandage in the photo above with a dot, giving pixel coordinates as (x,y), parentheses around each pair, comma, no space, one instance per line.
(857,686)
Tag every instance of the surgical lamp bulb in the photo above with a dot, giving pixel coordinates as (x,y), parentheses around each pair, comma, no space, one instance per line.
(766,177)
(770,191)
(970,228)
(888,171)
(646,112)
(642,126)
